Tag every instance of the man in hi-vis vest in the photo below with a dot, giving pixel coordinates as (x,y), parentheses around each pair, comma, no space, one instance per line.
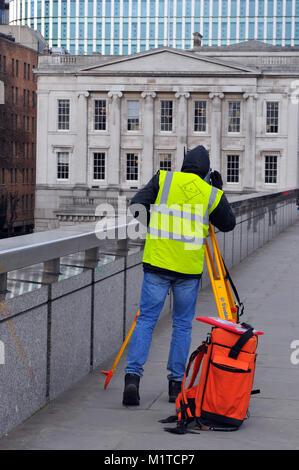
(181,206)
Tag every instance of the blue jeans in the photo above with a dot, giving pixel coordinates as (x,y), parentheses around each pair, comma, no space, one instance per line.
(154,290)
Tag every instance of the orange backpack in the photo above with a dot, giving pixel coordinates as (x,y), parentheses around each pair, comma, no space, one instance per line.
(221,397)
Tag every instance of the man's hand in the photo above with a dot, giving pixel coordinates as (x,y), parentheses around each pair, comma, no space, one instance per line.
(216,179)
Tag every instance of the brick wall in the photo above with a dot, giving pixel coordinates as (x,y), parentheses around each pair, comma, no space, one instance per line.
(17,138)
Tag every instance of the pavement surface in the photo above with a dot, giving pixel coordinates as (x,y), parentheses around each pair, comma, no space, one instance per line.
(87,417)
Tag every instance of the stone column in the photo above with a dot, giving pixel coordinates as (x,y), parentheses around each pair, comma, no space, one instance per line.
(42,151)
(182,127)
(80,157)
(250,141)
(216,130)
(147,168)
(114,129)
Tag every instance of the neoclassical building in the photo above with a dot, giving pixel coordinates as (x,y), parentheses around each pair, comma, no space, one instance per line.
(106,124)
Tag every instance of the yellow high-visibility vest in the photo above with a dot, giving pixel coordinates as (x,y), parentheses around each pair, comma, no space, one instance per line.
(179,222)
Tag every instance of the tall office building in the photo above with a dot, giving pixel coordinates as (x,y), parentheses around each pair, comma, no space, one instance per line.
(130,26)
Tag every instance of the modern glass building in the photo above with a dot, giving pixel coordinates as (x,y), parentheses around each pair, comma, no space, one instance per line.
(129,26)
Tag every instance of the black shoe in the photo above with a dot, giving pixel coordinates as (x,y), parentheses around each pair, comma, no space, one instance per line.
(131,392)
(174,388)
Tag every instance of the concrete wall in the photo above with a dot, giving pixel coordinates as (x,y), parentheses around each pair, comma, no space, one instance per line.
(60,331)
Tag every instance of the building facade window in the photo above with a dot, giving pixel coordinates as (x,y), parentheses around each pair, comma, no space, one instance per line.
(234,116)
(63,114)
(200,116)
(233,169)
(166,122)
(165,161)
(271,169)
(272,117)
(63,166)
(99,166)
(132,115)
(100,115)
(132,167)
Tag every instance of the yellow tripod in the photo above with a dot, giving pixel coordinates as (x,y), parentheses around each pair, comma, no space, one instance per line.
(226,306)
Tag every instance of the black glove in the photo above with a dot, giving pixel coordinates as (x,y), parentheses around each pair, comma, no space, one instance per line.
(216,179)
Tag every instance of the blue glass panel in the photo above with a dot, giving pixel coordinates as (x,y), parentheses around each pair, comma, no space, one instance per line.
(252,8)
(107,30)
(90,31)
(270,8)
(152,31)
(242,31)
(55,29)
(242,8)
(81,30)
(251,30)
(179,8)
(260,30)
(90,8)
(179,30)
(134,30)
(55,8)
(143,8)
(279,8)
(206,30)
(206,8)
(233,31)
(63,30)
(261,8)
(73,8)
(107,48)
(134,8)
(297,8)
(288,32)
(161,31)
(289,8)
(116,8)
(233,10)
(63,8)
(188,7)
(126,8)
(269,30)
(278,30)
(197,8)
(125,30)
(116,49)
(224,8)
(152,8)
(81,9)
(215,30)
(99,7)
(116,30)
(143,30)
(161,8)
(108,8)
(73,30)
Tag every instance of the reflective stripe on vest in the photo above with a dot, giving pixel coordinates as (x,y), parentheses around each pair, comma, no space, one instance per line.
(179,222)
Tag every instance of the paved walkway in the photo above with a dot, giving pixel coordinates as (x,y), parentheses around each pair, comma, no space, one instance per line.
(89,417)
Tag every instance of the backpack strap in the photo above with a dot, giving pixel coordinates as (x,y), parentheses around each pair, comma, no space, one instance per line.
(196,356)
(235,350)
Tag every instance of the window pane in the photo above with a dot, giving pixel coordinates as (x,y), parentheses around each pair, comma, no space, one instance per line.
(166,115)
(272,117)
(165,161)
(232,175)
(132,167)
(200,116)
(133,115)
(63,165)
(234,116)
(99,166)
(63,114)
(100,115)
(271,169)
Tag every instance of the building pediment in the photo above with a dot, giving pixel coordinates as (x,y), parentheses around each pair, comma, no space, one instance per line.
(169,61)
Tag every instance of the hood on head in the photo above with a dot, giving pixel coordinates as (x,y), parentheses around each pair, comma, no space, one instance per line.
(197,161)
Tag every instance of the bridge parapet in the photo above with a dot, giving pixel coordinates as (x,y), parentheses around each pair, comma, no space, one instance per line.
(68,298)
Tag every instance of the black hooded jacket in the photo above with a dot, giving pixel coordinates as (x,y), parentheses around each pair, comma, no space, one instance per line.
(197,162)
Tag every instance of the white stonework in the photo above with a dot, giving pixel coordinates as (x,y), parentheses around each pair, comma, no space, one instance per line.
(125,115)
